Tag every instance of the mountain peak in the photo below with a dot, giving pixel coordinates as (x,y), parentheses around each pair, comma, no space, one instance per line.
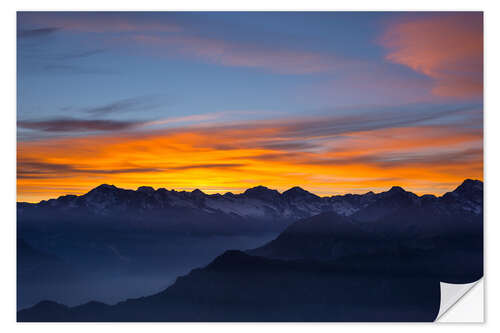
(470,190)
(146,189)
(396,189)
(106,186)
(47,304)
(260,192)
(469,185)
(198,193)
(298,192)
(103,188)
(295,189)
(258,188)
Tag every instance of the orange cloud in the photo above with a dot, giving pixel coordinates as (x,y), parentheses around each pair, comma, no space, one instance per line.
(324,159)
(446,47)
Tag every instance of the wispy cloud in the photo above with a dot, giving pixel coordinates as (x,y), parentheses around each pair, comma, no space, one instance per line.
(99,22)
(195,118)
(77,125)
(412,146)
(170,39)
(207,166)
(227,53)
(336,123)
(38,169)
(34,33)
(125,105)
(419,146)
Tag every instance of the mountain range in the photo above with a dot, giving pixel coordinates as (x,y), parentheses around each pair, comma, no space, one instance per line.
(380,260)
(257,209)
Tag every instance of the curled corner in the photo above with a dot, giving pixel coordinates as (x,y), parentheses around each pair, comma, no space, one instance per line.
(451,293)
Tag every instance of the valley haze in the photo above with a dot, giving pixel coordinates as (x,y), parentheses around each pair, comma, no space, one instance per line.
(112,233)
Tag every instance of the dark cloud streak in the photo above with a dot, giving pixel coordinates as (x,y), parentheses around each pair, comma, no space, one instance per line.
(461,157)
(34,33)
(326,126)
(125,105)
(36,169)
(207,166)
(77,125)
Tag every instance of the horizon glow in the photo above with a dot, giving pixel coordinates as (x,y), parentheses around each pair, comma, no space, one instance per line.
(333,102)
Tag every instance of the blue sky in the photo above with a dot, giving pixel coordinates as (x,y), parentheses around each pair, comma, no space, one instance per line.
(71,70)
(85,74)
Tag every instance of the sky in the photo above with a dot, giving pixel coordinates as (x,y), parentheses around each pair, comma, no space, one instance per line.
(333,102)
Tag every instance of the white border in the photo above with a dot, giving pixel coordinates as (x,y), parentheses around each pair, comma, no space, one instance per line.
(8,122)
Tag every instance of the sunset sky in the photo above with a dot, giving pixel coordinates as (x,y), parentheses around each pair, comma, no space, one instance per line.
(334,102)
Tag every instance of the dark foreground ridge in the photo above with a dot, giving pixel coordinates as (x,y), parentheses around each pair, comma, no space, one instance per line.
(382,263)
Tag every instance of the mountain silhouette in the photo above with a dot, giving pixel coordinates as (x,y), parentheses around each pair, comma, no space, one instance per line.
(257,209)
(383,262)
(239,287)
